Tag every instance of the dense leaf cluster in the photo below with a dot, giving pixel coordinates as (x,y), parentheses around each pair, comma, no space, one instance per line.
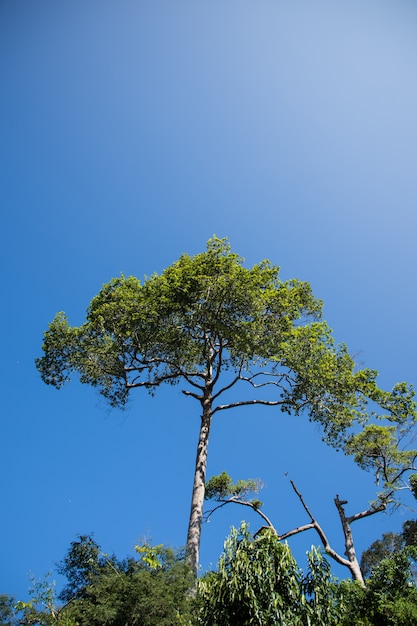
(258,582)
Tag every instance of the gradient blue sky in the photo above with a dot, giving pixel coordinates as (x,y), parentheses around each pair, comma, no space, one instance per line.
(131,131)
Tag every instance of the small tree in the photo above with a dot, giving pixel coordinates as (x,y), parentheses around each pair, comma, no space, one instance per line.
(42,608)
(101,589)
(83,562)
(150,591)
(231,336)
(259,582)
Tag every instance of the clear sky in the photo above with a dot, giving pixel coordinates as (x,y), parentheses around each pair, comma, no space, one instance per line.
(131,131)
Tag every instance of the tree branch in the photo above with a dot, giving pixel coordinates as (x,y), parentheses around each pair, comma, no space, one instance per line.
(233,405)
(275,383)
(187,392)
(148,364)
(232,500)
(296,531)
(367,513)
(219,354)
(150,383)
(226,387)
(314,524)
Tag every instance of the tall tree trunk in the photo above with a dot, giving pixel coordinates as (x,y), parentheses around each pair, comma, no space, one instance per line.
(197,501)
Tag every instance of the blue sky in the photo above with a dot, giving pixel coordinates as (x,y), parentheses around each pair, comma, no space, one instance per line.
(130,133)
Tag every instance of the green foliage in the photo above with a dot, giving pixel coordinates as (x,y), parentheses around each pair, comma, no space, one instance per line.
(390,597)
(153,591)
(139,595)
(413,484)
(320,602)
(7,612)
(151,555)
(381,447)
(82,563)
(42,608)
(102,589)
(393,574)
(377,448)
(222,487)
(219,487)
(259,582)
(409,532)
(379,550)
(166,327)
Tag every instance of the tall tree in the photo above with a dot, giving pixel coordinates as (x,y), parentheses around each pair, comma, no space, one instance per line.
(231,336)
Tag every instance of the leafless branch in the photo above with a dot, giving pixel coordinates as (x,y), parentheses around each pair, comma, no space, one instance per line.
(271,375)
(197,396)
(296,531)
(367,513)
(351,563)
(219,365)
(314,524)
(228,386)
(148,364)
(232,500)
(150,383)
(233,405)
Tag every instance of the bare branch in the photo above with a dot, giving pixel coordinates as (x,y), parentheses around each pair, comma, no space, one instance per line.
(250,379)
(219,355)
(233,405)
(307,510)
(367,513)
(189,378)
(149,364)
(295,531)
(233,500)
(353,567)
(150,383)
(187,392)
(271,375)
(226,387)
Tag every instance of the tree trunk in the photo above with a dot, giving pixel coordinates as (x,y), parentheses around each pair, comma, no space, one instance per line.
(197,501)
